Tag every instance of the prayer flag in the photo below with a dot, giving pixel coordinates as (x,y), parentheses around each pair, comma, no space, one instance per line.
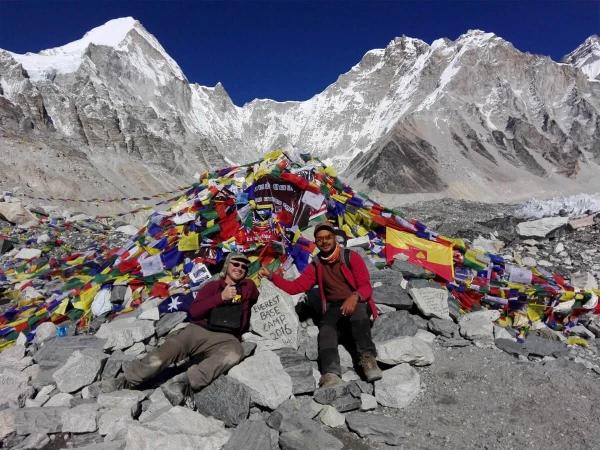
(428,254)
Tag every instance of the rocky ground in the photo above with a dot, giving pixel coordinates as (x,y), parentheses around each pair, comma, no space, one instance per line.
(447,383)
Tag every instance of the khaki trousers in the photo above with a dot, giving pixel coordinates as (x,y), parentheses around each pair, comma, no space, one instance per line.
(219,352)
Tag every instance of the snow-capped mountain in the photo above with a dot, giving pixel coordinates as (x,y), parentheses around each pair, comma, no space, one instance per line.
(472,118)
(587,57)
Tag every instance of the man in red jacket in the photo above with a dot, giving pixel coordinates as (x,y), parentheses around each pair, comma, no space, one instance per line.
(220,314)
(345,288)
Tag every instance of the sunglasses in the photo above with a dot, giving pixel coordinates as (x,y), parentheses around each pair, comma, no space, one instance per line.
(239,264)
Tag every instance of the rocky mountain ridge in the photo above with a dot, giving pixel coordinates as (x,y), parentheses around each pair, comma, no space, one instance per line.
(472,118)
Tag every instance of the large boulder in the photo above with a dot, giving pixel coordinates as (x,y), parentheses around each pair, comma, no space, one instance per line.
(122,333)
(398,387)
(377,427)
(253,373)
(176,429)
(274,317)
(252,435)
(542,227)
(225,399)
(80,370)
(14,388)
(393,325)
(405,349)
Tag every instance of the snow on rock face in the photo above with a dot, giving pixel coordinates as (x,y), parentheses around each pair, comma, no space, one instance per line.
(587,57)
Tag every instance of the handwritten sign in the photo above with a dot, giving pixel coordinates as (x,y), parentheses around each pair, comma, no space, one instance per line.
(431,301)
(274,317)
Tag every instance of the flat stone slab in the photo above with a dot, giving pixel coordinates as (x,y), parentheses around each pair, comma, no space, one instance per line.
(533,346)
(299,368)
(541,227)
(440,327)
(265,377)
(36,420)
(393,325)
(388,289)
(178,428)
(225,399)
(327,395)
(123,333)
(431,300)
(478,326)
(80,370)
(377,427)
(80,419)
(398,387)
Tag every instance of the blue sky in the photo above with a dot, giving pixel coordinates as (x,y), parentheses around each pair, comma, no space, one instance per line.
(292,50)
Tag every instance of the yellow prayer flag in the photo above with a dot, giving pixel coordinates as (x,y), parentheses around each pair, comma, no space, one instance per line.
(188,242)
(86,298)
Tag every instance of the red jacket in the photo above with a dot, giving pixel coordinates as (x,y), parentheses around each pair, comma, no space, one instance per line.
(356,275)
(209,297)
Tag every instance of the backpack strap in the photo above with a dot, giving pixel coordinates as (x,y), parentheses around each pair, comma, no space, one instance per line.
(346,257)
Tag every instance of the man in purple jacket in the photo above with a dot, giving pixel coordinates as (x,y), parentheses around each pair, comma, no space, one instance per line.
(220,314)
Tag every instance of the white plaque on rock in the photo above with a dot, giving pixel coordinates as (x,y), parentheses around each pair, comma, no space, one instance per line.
(431,301)
(274,316)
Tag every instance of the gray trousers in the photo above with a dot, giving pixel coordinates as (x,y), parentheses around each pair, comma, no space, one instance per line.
(219,352)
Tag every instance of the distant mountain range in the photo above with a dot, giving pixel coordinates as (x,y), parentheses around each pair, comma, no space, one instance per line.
(472,118)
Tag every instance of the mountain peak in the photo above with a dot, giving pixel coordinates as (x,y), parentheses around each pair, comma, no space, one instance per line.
(586,57)
(67,58)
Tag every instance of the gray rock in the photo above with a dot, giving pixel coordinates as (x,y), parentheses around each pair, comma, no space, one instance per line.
(327,395)
(295,407)
(169,321)
(274,317)
(43,332)
(331,417)
(123,399)
(114,363)
(253,372)
(533,346)
(14,388)
(251,435)
(377,427)
(36,420)
(392,325)
(60,399)
(14,358)
(225,399)
(431,300)
(136,349)
(410,271)
(388,289)
(346,403)
(34,441)
(80,419)
(478,326)
(157,404)
(308,438)
(178,428)
(80,370)
(248,348)
(425,336)
(113,423)
(367,402)
(405,349)
(454,342)
(541,227)
(112,445)
(7,423)
(441,327)
(55,352)
(122,333)
(399,386)
(299,369)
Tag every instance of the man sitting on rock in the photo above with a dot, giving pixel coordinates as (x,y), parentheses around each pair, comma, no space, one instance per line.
(345,290)
(220,313)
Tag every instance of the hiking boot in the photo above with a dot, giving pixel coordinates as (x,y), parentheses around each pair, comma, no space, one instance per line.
(178,390)
(368,363)
(329,379)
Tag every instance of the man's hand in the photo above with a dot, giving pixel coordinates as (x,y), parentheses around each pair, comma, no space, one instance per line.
(228,293)
(263,272)
(349,305)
